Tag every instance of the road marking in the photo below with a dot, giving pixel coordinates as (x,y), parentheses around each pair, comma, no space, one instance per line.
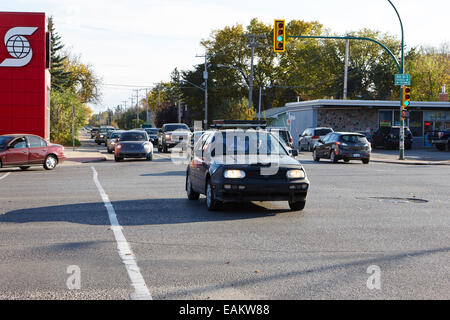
(125,252)
(5,175)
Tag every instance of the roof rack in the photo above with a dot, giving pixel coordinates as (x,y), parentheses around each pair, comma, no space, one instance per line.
(230,124)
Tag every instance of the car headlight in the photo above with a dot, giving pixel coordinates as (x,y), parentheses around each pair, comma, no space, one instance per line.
(295,174)
(147,147)
(118,146)
(234,174)
(168,137)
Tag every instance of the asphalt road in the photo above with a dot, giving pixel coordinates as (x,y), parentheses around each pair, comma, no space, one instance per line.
(50,220)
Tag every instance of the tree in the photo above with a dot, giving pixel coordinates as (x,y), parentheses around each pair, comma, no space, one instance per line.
(59,76)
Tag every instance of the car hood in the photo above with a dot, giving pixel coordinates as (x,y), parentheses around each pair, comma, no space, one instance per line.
(283,160)
(133,142)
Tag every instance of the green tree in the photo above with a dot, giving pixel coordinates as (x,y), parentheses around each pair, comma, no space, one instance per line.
(59,76)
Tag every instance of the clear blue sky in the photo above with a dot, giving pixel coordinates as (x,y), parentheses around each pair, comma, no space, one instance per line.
(139,42)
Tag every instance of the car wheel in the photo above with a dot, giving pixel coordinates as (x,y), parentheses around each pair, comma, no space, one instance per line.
(24,167)
(165,149)
(118,159)
(150,156)
(365,161)
(110,151)
(440,146)
(315,157)
(333,157)
(310,148)
(211,203)
(50,162)
(297,205)
(346,160)
(191,194)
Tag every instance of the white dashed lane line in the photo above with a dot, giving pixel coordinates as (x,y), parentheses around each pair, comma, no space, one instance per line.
(124,249)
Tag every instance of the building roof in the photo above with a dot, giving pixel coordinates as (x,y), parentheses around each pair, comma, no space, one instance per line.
(320,103)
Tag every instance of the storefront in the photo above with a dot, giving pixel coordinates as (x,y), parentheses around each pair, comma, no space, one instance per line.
(24,75)
(361,115)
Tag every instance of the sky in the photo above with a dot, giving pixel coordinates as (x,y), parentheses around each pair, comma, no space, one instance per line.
(139,42)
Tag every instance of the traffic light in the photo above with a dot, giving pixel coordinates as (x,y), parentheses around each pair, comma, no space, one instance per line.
(279,36)
(406,96)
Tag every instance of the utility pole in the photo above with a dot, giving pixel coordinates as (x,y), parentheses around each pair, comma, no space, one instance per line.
(179,107)
(253,44)
(347,45)
(146,101)
(137,107)
(205,77)
(259,105)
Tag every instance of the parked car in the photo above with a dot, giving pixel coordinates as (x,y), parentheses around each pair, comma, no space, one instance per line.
(343,145)
(259,169)
(441,139)
(94,132)
(25,150)
(100,137)
(113,140)
(284,135)
(389,137)
(152,135)
(309,138)
(173,134)
(133,144)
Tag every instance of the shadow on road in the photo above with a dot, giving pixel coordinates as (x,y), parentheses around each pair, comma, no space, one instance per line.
(140,212)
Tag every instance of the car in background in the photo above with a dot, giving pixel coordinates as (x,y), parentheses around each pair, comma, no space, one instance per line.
(389,137)
(133,144)
(173,134)
(113,140)
(94,132)
(310,137)
(440,139)
(343,145)
(152,135)
(284,135)
(243,166)
(102,132)
(25,150)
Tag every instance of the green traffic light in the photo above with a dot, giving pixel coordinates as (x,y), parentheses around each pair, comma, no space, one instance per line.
(280,38)
(406,103)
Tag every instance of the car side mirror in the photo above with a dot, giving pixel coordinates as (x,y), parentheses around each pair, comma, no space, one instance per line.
(293,152)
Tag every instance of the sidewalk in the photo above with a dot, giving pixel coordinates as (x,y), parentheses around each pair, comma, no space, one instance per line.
(88,152)
(429,156)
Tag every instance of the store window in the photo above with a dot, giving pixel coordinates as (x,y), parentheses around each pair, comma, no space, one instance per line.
(415,123)
(385,119)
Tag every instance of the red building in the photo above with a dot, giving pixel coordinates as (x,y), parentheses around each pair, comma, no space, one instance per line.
(24,75)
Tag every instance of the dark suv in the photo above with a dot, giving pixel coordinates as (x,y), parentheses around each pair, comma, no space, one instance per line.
(389,137)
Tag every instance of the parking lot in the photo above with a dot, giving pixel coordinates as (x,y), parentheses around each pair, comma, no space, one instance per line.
(387,215)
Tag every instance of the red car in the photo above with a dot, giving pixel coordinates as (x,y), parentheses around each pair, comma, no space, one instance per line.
(25,150)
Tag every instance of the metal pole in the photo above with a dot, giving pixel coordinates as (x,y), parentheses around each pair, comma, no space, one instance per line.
(259,106)
(205,77)
(137,108)
(347,45)
(146,100)
(250,86)
(179,110)
(73,128)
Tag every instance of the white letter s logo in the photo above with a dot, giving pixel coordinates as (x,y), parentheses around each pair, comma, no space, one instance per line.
(18,46)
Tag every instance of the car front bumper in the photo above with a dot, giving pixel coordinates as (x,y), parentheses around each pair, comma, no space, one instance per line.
(133,154)
(261,190)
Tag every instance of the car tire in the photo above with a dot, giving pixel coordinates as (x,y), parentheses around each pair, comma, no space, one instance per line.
(310,148)
(118,159)
(440,146)
(297,205)
(346,160)
(333,157)
(365,161)
(150,156)
(50,162)
(165,149)
(191,194)
(24,167)
(211,203)
(110,151)
(315,157)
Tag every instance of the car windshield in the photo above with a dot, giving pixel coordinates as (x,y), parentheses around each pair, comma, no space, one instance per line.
(283,134)
(352,138)
(396,131)
(173,127)
(322,132)
(133,136)
(4,141)
(246,143)
(116,135)
(104,130)
(152,131)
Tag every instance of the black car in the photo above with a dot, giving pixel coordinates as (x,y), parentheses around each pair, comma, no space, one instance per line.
(94,132)
(100,137)
(389,137)
(343,145)
(133,144)
(245,165)
(153,135)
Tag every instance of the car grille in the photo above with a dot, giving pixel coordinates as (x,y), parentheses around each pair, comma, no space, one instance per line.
(275,173)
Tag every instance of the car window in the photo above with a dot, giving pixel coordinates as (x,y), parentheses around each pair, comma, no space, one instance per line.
(134,136)
(4,141)
(19,143)
(43,143)
(327,138)
(173,127)
(322,132)
(34,142)
(350,138)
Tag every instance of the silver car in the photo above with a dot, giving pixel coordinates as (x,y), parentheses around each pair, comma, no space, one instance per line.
(310,137)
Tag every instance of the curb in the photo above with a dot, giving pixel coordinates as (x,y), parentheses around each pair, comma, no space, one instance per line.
(408,162)
(85,160)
